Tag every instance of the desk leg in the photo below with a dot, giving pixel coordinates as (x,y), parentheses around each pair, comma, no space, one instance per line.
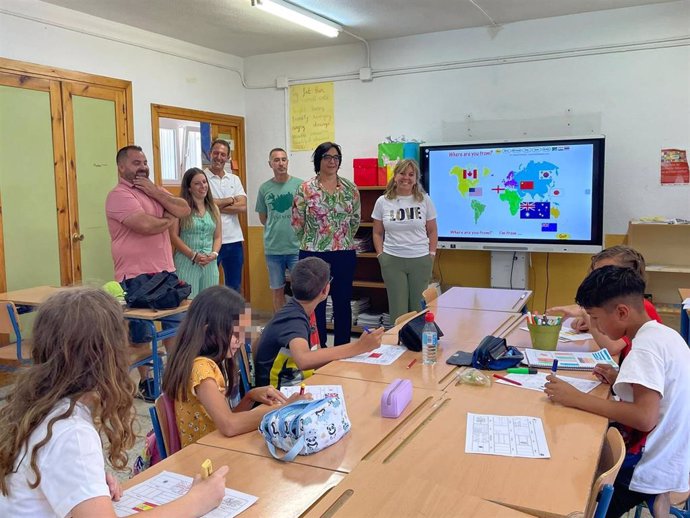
(157,361)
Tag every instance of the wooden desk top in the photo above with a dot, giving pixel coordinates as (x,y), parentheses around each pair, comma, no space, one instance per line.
(521,338)
(369,429)
(559,485)
(284,489)
(403,493)
(489,299)
(36,296)
(463,330)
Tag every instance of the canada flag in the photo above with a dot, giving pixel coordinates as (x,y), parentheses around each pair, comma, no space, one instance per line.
(469,174)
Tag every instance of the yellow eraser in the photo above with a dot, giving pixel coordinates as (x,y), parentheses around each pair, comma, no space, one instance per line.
(206,468)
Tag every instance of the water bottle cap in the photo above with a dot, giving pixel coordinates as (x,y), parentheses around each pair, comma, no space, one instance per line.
(428,316)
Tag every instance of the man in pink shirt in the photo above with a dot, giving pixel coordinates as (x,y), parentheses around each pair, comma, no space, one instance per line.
(139,215)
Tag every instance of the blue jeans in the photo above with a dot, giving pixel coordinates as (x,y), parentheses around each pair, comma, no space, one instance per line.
(231,258)
(277,264)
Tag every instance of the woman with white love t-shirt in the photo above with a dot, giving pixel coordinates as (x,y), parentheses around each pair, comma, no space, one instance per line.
(405,238)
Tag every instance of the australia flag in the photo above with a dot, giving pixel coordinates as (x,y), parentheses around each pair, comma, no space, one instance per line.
(535,210)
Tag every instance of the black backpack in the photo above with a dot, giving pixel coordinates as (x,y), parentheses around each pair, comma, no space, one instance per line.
(162,290)
(411,333)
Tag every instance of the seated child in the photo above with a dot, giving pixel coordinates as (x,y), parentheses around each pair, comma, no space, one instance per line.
(200,372)
(285,355)
(653,385)
(619,255)
(78,388)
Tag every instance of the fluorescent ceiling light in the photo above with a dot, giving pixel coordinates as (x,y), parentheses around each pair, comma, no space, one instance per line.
(299,16)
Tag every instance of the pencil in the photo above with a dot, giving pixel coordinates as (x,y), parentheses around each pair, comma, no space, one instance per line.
(507,379)
(411,363)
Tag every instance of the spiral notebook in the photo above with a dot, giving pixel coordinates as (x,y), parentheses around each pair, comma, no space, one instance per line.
(574,361)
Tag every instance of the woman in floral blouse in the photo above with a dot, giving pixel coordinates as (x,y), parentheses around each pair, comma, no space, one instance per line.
(325,215)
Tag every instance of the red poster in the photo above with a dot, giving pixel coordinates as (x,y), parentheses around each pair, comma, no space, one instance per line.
(674,167)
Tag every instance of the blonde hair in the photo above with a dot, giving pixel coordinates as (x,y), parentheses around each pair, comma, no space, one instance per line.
(624,256)
(417,190)
(80,351)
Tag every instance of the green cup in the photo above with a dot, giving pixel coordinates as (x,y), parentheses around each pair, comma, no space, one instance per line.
(545,337)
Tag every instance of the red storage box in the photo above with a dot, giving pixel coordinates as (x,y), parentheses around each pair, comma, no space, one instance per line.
(383,176)
(366,171)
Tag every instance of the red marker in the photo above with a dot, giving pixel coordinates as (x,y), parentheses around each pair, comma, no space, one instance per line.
(507,379)
(301,389)
(411,363)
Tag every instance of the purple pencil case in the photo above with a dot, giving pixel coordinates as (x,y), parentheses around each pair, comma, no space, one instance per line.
(396,397)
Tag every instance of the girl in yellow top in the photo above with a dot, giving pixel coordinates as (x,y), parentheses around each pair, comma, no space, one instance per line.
(199,375)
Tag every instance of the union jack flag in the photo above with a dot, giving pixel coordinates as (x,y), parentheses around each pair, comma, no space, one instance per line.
(526,205)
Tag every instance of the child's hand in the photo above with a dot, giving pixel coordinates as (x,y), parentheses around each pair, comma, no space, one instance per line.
(206,495)
(580,324)
(560,391)
(299,397)
(268,395)
(370,341)
(114,487)
(573,310)
(605,373)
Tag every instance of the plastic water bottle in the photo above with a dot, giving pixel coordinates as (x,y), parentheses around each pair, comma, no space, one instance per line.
(429,340)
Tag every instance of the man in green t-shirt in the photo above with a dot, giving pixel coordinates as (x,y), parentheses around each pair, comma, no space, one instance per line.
(274,205)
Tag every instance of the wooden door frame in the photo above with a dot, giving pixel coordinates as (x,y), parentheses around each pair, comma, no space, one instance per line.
(218,119)
(21,74)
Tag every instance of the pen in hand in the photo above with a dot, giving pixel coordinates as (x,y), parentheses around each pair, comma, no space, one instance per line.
(554,367)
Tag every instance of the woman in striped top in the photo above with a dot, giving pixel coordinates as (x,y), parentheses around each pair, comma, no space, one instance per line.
(196,238)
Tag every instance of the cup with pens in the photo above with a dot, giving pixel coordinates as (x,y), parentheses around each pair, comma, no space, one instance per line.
(544,331)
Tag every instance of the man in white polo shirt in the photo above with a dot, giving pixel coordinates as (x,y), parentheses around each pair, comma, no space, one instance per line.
(229,196)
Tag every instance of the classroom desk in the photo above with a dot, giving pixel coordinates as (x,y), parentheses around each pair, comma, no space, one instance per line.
(684,315)
(489,299)
(369,430)
(463,330)
(34,297)
(559,485)
(284,489)
(520,338)
(364,493)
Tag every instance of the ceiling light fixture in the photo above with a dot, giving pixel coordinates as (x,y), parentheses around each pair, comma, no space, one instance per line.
(299,16)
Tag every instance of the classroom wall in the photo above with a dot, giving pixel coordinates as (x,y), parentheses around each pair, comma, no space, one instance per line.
(624,73)
(162,70)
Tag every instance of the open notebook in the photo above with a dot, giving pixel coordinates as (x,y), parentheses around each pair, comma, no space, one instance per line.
(575,361)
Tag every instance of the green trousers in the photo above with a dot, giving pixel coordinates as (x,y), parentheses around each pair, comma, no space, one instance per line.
(405,281)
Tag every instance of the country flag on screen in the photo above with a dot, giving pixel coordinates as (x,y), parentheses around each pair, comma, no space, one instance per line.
(535,210)
(525,186)
(549,227)
(475,191)
(544,175)
(469,173)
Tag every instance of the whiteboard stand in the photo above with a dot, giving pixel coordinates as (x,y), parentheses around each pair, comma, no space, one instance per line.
(503,263)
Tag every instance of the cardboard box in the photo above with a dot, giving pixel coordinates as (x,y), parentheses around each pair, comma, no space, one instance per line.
(366,171)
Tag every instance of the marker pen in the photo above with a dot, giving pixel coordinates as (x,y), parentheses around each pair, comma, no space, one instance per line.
(554,367)
(521,370)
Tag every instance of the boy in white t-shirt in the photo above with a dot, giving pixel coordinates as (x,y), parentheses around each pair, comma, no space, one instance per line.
(653,386)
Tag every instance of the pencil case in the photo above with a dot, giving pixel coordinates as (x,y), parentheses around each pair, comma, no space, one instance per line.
(396,397)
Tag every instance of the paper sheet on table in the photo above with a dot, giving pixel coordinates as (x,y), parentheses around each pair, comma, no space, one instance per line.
(166,487)
(537,381)
(384,355)
(509,436)
(317,391)
(568,334)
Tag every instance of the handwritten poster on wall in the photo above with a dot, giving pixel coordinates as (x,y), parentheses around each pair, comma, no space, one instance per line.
(311,115)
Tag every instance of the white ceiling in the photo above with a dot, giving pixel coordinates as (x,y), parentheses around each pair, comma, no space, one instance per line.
(235,27)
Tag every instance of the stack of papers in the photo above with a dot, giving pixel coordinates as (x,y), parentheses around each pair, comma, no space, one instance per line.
(359,306)
(370,320)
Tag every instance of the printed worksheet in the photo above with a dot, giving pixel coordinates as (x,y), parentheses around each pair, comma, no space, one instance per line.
(166,487)
(509,436)
(568,334)
(384,355)
(317,391)
(538,380)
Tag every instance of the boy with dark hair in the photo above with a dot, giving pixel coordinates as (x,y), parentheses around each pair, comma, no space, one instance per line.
(653,386)
(286,355)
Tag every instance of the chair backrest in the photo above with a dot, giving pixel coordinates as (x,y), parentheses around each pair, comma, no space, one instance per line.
(405,316)
(160,442)
(612,455)
(165,408)
(242,357)
(428,295)
(9,324)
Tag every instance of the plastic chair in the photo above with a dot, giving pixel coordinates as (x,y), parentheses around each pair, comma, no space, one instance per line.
(9,324)
(160,443)
(164,409)
(428,295)
(404,317)
(612,455)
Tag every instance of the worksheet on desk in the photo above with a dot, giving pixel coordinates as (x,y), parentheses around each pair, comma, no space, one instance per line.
(166,487)
(538,380)
(509,436)
(316,391)
(384,355)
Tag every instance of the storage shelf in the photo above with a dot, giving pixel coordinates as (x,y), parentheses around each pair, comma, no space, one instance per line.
(354,329)
(366,224)
(371,187)
(667,268)
(369,284)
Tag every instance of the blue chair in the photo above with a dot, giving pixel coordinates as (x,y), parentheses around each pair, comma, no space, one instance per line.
(610,461)
(20,350)
(680,505)
(157,431)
